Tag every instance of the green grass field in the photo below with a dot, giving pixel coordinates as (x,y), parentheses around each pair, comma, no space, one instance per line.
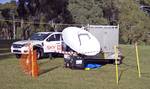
(54,76)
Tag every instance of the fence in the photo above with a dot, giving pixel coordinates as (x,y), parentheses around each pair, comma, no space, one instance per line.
(21,29)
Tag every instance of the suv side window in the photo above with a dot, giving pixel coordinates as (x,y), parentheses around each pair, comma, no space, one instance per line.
(55,37)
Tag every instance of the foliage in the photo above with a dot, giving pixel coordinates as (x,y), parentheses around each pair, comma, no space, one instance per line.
(52,10)
(144,2)
(87,12)
(134,24)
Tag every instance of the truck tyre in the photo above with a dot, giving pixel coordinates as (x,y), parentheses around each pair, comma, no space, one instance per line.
(67,64)
(18,56)
(50,56)
(118,62)
(71,64)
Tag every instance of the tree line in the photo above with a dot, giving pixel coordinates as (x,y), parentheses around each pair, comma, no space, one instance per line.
(133,22)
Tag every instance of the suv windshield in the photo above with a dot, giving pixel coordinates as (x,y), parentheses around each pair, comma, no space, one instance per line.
(39,36)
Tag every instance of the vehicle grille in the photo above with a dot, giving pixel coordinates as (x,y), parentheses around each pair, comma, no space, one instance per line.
(16,51)
(17,45)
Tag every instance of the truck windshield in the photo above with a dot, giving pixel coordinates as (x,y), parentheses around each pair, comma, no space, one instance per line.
(39,36)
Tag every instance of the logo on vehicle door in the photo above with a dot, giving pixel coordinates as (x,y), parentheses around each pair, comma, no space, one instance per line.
(54,47)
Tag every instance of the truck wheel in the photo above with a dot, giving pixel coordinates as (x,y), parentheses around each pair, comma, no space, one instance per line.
(18,56)
(67,65)
(71,64)
(50,56)
(118,62)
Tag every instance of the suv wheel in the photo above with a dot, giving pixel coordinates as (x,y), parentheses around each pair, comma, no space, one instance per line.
(18,56)
(39,53)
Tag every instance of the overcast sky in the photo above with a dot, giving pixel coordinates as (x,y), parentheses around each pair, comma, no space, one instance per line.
(4,1)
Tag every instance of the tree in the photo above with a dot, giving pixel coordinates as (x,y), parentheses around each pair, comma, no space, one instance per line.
(144,2)
(55,10)
(6,26)
(87,11)
(44,11)
(110,11)
(133,22)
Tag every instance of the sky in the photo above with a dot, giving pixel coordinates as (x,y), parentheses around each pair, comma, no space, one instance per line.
(4,1)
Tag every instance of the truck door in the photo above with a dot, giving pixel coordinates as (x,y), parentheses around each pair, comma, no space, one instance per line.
(53,43)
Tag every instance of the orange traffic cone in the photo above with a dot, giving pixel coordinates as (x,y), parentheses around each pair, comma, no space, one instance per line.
(29,63)
(25,62)
(35,69)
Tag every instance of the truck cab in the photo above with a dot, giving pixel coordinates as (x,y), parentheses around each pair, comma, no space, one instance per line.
(42,42)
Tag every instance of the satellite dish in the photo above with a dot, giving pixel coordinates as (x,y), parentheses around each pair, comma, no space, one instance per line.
(81,41)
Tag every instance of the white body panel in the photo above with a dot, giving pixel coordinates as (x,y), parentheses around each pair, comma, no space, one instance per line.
(108,36)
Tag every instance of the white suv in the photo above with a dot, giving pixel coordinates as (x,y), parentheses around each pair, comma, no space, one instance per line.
(42,42)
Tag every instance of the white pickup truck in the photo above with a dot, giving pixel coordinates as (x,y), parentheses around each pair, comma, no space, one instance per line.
(42,42)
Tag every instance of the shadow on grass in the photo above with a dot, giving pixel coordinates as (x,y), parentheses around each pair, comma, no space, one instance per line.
(4,51)
(130,66)
(42,63)
(97,61)
(145,75)
(3,57)
(122,71)
(43,71)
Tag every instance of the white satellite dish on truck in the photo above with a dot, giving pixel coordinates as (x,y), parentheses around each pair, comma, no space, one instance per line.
(95,42)
(81,41)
